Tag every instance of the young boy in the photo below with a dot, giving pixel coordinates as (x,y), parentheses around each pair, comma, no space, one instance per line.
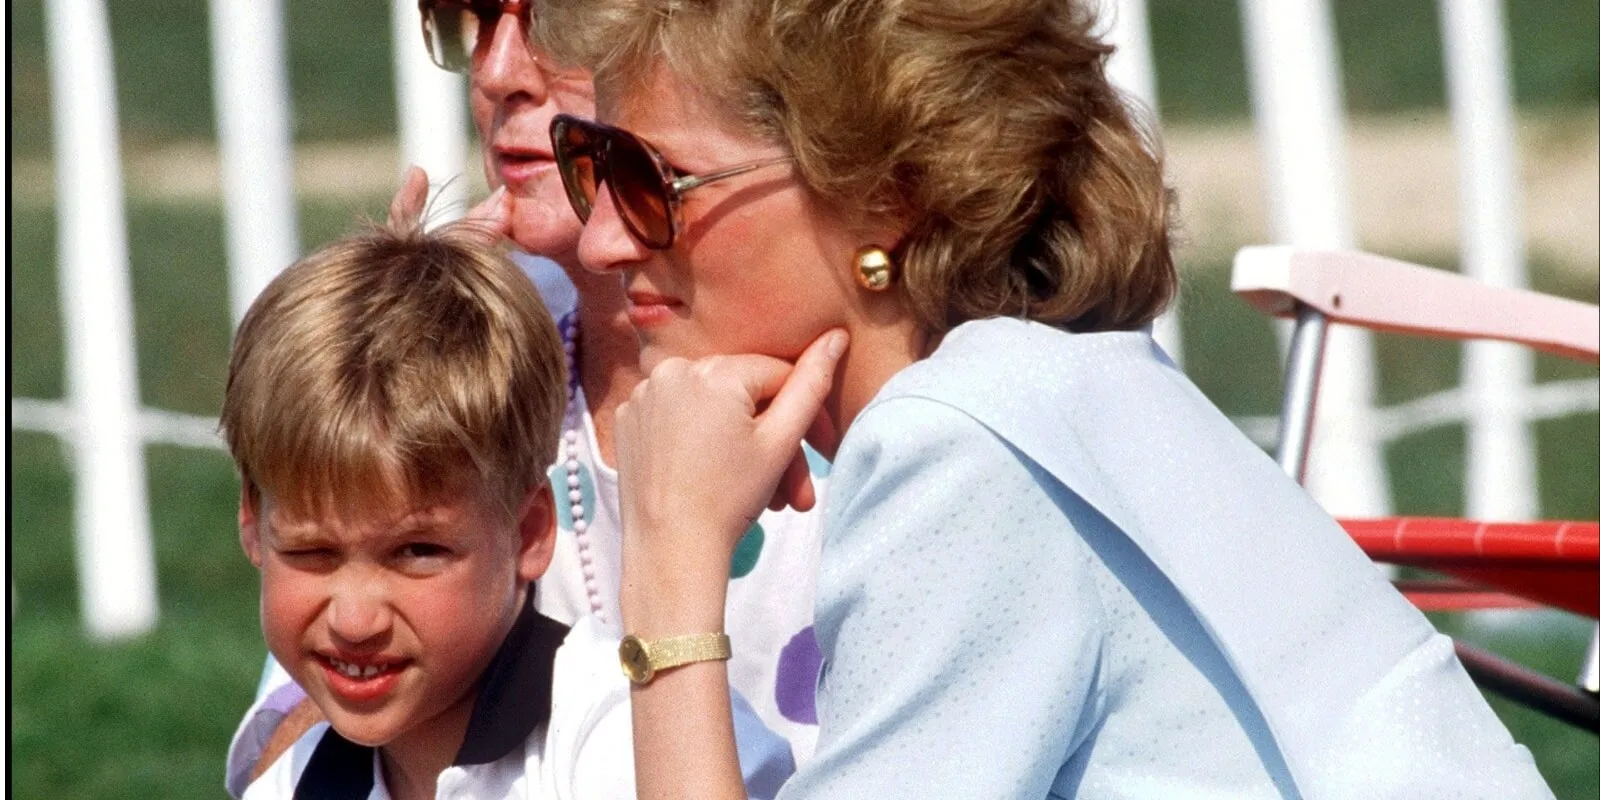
(393,401)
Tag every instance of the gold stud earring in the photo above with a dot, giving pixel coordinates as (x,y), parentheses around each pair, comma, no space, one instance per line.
(874,268)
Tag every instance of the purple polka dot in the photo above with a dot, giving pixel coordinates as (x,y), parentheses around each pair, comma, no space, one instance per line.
(798,666)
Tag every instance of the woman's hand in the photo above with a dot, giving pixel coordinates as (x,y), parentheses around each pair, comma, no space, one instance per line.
(492,216)
(702,447)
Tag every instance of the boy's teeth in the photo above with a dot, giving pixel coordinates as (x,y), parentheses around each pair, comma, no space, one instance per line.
(355,670)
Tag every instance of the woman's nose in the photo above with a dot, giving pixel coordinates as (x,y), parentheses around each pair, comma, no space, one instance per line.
(606,245)
(508,66)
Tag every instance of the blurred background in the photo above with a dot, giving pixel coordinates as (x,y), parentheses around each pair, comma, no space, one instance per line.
(150,715)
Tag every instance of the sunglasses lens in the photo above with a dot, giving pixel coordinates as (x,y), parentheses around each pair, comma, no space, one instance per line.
(450,29)
(574,146)
(640,191)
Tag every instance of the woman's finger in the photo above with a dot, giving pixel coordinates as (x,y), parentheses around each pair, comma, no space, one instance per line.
(795,489)
(492,217)
(405,210)
(494,211)
(796,403)
(760,377)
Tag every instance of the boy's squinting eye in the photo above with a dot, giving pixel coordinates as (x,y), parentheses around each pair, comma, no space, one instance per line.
(307,556)
(424,550)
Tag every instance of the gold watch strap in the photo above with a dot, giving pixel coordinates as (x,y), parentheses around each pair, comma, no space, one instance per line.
(641,660)
(679,650)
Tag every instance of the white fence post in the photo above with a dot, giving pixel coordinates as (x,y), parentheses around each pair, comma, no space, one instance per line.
(116,566)
(5,228)
(1295,89)
(1133,70)
(252,100)
(432,112)
(1501,478)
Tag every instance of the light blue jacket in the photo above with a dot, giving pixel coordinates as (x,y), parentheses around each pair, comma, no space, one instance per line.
(1053,569)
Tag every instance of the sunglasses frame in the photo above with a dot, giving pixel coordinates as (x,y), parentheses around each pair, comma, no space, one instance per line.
(671,186)
(523,9)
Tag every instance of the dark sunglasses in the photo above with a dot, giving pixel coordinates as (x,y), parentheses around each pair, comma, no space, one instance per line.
(646,190)
(451,28)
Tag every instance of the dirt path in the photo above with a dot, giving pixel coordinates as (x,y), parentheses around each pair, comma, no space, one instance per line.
(1403,187)
(1402,175)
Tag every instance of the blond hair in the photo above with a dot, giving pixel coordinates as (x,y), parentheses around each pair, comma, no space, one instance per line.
(393,367)
(986,127)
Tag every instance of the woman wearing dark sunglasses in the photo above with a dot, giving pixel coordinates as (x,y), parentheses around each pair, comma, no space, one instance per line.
(1050,566)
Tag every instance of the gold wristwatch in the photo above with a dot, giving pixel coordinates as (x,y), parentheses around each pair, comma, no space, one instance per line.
(641,660)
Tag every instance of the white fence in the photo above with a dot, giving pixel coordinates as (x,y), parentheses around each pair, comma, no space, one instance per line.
(1295,90)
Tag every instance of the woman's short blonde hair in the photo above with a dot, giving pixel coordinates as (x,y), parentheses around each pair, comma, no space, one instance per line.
(987,128)
(396,367)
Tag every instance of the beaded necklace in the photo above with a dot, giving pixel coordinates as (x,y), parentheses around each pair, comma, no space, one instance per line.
(571,429)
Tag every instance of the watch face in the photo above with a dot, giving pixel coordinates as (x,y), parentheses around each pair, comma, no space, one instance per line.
(635,661)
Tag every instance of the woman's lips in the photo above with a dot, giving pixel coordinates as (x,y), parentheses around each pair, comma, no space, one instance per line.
(646,309)
(519,168)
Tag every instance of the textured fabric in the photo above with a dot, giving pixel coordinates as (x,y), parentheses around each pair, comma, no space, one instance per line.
(1085,582)
(584,751)
(560,296)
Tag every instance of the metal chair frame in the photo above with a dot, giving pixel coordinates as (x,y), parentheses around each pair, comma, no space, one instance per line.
(1318,288)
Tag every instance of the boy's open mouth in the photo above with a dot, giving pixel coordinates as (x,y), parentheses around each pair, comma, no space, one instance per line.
(364,681)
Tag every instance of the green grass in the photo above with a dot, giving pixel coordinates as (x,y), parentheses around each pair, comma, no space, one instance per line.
(340,59)
(1390,52)
(149,717)
(180,288)
(139,719)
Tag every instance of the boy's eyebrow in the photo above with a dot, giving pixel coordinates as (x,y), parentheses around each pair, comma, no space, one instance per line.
(425,521)
(294,532)
(428,521)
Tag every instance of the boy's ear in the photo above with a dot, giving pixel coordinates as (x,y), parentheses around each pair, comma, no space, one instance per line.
(249,531)
(536,525)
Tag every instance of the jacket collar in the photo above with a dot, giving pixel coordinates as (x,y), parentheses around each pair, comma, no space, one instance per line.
(514,693)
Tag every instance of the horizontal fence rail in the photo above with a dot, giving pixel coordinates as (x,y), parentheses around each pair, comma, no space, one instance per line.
(1542,401)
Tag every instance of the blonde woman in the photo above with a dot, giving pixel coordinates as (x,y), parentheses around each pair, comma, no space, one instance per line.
(929,237)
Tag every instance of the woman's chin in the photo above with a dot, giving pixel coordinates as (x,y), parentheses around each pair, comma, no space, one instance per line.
(656,346)
(651,354)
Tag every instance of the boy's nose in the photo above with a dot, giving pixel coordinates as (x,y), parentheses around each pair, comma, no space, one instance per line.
(358,614)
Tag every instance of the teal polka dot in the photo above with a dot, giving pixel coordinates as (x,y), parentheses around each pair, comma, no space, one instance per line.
(748,552)
(558,484)
(818,465)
